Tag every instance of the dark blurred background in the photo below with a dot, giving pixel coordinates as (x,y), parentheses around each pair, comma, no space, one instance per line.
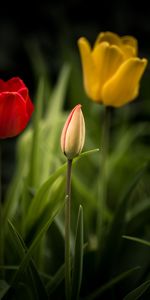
(49,23)
(48,26)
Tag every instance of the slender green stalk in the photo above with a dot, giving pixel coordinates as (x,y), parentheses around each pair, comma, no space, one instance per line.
(102,184)
(67,231)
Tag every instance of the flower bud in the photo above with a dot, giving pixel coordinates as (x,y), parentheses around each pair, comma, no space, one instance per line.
(73,133)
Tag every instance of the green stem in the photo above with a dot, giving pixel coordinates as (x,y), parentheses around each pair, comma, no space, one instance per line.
(102,184)
(67,231)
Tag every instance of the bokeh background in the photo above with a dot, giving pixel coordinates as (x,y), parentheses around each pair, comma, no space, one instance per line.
(39,37)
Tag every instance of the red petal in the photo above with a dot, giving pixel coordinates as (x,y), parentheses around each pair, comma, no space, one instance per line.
(25,95)
(3,86)
(12,85)
(15,84)
(14,114)
(29,106)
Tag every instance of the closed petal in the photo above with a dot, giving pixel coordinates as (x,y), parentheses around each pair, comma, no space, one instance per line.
(12,85)
(25,97)
(128,51)
(75,133)
(107,60)
(15,84)
(130,41)
(123,86)
(110,37)
(13,114)
(91,81)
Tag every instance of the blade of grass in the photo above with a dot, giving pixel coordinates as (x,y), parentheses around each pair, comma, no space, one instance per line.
(54,282)
(137,240)
(78,257)
(34,159)
(36,281)
(138,292)
(34,244)
(111,283)
(4,287)
(109,252)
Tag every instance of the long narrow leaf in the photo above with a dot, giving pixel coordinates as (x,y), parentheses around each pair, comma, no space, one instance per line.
(109,253)
(78,257)
(34,159)
(54,282)
(138,292)
(137,240)
(34,244)
(36,280)
(4,287)
(111,283)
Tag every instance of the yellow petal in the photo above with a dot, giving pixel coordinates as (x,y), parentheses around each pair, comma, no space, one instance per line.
(91,82)
(128,51)
(130,41)
(123,86)
(107,60)
(110,37)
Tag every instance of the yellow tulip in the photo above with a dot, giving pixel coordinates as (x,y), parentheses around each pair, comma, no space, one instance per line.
(111,70)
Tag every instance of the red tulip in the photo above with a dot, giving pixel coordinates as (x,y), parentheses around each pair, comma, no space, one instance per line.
(15,107)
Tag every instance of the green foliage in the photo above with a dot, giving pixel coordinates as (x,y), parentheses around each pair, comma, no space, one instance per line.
(116,266)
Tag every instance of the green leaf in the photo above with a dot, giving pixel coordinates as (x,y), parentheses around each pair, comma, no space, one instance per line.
(54,282)
(43,192)
(4,287)
(111,283)
(36,281)
(34,158)
(41,196)
(137,240)
(34,244)
(58,95)
(138,292)
(110,252)
(78,257)
(83,154)
(17,242)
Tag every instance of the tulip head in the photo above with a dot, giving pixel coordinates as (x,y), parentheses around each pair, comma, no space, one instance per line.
(73,133)
(16,107)
(111,69)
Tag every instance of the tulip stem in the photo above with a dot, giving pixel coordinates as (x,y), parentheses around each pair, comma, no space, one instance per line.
(102,186)
(67,231)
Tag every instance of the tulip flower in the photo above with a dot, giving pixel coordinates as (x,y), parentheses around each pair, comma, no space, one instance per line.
(73,134)
(15,107)
(111,69)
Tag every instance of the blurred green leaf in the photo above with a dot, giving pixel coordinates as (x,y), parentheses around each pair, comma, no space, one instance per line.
(54,282)
(57,98)
(111,283)
(138,292)
(41,197)
(113,240)
(137,240)
(35,242)
(78,257)
(36,281)
(34,156)
(4,287)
